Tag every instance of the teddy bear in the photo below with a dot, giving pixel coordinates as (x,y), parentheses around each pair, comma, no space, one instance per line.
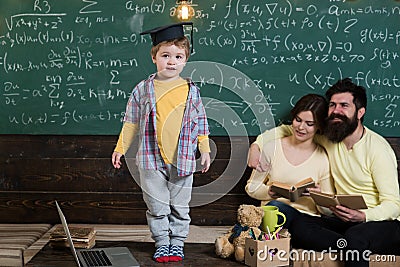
(249,218)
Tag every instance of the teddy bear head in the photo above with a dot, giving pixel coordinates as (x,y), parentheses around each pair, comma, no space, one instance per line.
(250,215)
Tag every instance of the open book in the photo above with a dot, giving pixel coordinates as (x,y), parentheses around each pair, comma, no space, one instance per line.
(355,202)
(292,192)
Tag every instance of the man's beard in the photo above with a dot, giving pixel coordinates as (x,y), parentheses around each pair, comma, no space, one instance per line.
(337,131)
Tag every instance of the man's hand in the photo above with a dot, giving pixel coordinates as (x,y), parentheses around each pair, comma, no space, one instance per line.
(348,215)
(205,162)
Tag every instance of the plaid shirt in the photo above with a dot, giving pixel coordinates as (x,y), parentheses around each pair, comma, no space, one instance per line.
(141,110)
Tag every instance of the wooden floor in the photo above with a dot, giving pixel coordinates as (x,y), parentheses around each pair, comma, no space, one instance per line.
(199,244)
(199,248)
(195,255)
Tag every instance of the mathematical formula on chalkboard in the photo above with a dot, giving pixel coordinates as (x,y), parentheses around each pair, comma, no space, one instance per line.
(68,67)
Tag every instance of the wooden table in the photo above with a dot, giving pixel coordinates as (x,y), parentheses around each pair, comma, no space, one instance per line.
(195,255)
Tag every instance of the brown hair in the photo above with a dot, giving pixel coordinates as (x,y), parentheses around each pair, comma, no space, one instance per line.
(182,42)
(318,106)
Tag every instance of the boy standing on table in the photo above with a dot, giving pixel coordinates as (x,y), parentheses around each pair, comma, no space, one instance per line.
(167,113)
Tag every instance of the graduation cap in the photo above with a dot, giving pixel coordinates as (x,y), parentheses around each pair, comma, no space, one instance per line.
(169,32)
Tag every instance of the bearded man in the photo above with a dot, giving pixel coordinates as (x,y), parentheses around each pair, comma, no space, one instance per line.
(361,162)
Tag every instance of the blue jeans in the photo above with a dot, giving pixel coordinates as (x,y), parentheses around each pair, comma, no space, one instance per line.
(289,212)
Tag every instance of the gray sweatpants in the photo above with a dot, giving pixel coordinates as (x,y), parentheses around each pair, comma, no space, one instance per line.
(167,197)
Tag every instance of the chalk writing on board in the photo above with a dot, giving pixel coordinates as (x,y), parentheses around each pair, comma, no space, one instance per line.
(69,67)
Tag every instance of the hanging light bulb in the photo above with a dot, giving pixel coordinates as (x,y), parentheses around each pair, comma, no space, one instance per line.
(184,11)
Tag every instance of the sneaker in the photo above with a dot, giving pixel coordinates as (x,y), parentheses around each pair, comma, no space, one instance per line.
(176,253)
(161,254)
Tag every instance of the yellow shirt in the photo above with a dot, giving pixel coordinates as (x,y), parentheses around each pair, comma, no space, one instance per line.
(170,106)
(316,167)
(171,99)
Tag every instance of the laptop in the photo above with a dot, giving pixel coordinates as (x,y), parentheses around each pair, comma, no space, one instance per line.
(113,256)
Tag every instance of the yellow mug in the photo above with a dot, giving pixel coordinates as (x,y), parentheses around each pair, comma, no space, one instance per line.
(270,219)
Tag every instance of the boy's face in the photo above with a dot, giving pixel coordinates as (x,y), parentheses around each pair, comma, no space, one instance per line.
(170,61)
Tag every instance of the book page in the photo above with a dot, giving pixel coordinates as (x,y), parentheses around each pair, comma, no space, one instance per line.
(304,182)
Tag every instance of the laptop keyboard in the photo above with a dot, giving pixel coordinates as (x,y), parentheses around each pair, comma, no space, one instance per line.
(95,258)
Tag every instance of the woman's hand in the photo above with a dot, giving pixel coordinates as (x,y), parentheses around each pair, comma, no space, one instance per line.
(253,158)
(272,194)
(316,189)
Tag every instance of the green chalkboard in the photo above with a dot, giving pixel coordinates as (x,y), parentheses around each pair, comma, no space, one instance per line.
(68,67)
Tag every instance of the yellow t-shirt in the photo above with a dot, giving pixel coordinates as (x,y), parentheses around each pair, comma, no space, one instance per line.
(171,99)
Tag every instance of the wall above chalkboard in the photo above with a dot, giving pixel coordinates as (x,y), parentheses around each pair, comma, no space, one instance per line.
(68,67)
